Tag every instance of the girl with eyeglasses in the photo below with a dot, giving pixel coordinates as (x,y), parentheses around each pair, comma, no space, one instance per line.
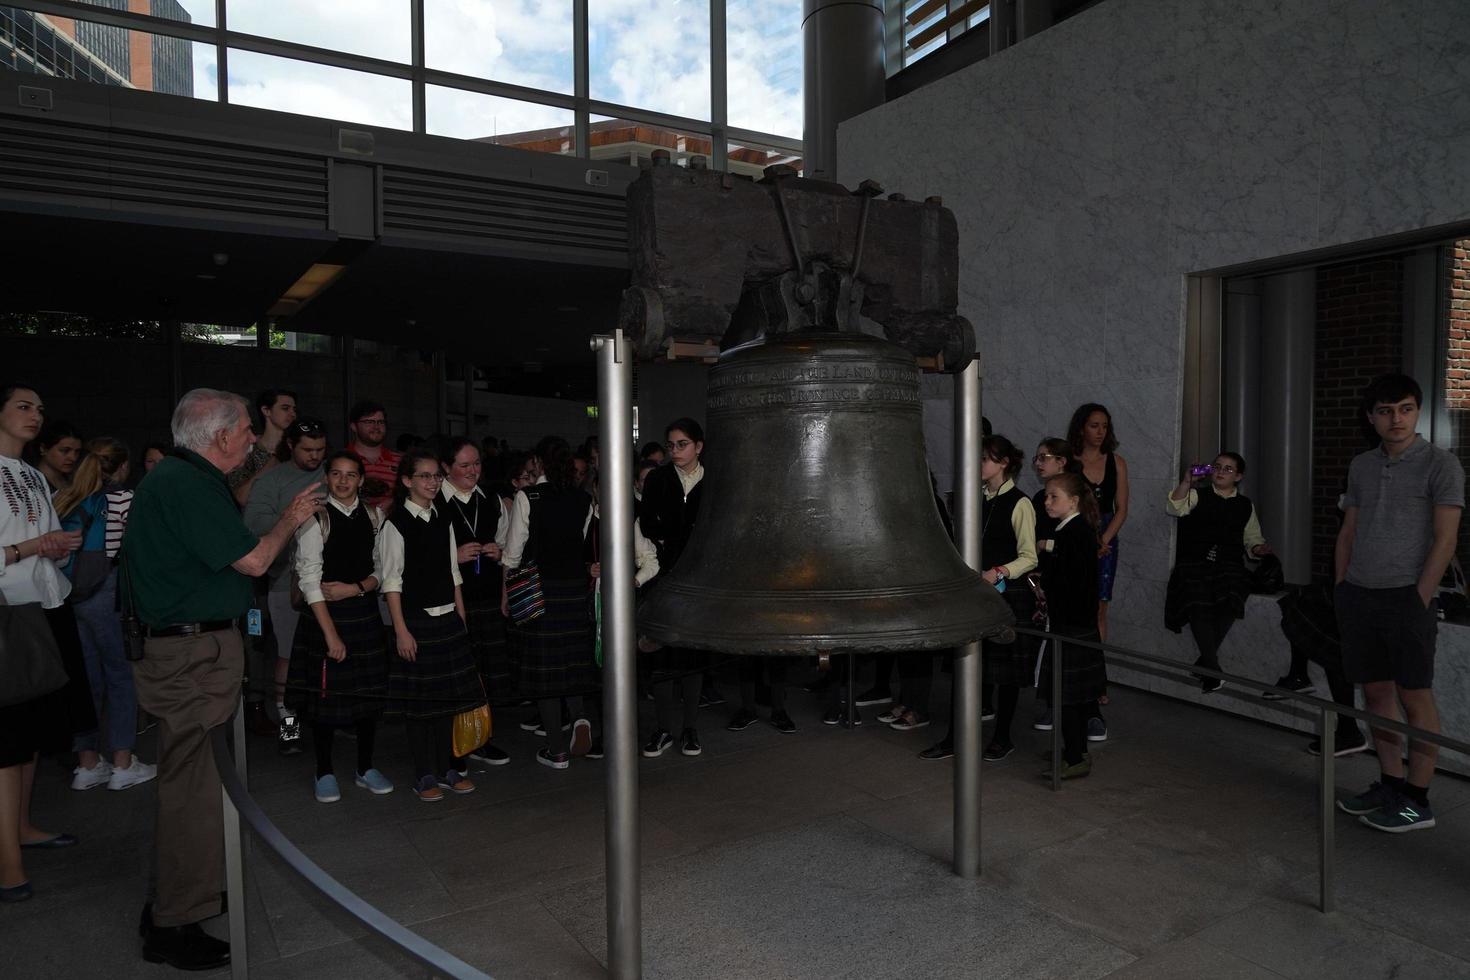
(433,677)
(1209,583)
(1053,458)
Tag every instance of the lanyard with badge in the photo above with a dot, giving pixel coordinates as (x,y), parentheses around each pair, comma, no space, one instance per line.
(473,525)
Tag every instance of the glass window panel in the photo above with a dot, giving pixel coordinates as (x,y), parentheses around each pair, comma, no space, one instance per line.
(524,42)
(268,82)
(54,324)
(63,47)
(220,336)
(752,160)
(378,28)
(651,54)
(763,65)
(491,119)
(199,12)
(633,143)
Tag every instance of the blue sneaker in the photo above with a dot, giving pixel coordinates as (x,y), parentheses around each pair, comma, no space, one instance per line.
(1399,817)
(374,782)
(326,789)
(1374,798)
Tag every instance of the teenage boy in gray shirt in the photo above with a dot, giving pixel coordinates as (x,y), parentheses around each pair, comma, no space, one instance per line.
(1401,517)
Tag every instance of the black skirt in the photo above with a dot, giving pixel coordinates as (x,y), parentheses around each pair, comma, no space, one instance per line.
(1205,587)
(1013,663)
(1084,671)
(442,679)
(355,688)
(488,642)
(47,723)
(553,653)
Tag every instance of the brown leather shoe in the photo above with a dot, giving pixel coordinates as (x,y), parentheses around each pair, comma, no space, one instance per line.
(427,789)
(456,782)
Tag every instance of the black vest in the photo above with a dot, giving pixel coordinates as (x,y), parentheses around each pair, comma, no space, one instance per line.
(556,542)
(486,519)
(1217,523)
(998,545)
(347,555)
(427,579)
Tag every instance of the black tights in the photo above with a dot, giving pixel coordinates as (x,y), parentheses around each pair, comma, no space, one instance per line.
(431,744)
(1209,627)
(1006,696)
(1074,731)
(557,741)
(367,734)
(750,676)
(663,699)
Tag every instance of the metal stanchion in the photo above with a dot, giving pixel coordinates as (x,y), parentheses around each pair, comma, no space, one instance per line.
(235,858)
(1056,714)
(1326,805)
(967,436)
(619,639)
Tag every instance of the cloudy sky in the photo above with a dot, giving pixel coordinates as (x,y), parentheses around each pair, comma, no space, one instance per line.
(651,54)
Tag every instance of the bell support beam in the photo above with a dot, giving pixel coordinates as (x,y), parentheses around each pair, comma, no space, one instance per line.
(620,705)
(967,435)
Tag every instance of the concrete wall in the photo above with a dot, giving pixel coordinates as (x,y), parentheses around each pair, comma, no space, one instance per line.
(1095,166)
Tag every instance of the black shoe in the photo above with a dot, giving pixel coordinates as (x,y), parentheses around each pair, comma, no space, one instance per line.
(943,749)
(1345,744)
(783,722)
(289,740)
(658,743)
(710,697)
(741,720)
(872,696)
(1297,685)
(596,752)
(837,715)
(1209,685)
(186,947)
(490,755)
(994,752)
(689,743)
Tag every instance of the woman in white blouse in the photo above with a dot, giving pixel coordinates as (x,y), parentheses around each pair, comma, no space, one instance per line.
(31,545)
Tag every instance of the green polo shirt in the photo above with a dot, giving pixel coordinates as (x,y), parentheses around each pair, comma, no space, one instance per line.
(183,534)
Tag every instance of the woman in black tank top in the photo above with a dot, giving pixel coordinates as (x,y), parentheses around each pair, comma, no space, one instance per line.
(1094,444)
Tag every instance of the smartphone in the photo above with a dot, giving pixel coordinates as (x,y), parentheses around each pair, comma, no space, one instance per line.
(1204,469)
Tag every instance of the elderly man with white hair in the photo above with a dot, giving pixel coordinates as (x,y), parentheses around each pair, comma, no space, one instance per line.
(188,559)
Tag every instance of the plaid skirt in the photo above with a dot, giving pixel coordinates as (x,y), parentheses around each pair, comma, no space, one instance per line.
(442,679)
(553,653)
(1084,672)
(488,643)
(1012,663)
(1205,586)
(356,687)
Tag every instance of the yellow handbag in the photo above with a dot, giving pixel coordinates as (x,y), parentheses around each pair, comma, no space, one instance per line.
(471,730)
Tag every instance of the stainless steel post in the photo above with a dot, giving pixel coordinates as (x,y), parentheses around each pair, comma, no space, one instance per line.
(967,436)
(235,859)
(1054,647)
(620,707)
(1327,807)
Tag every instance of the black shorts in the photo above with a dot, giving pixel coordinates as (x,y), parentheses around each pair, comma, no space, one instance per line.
(1387,635)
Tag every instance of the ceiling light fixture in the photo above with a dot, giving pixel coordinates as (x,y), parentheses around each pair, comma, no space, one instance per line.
(308,287)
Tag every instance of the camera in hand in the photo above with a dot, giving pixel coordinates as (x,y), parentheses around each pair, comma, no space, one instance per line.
(1204,469)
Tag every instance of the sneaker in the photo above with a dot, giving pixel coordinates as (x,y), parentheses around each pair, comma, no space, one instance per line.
(455,782)
(532,724)
(596,751)
(1374,797)
(540,732)
(894,713)
(987,714)
(994,752)
(289,740)
(910,721)
(710,697)
(1345,745)
(837,715)
(553,760)
(1401,817)
(1097,730)
(1209,685)
(658,743)
(689,742)
(427,789)
(741,720)
(490,755)
(1074,771)
(374,782)
(581,736)
(783,722)
(98,775)
(138,772)
(942,749)
(872,696)
(1297,685)
(1044,722)
(326,789)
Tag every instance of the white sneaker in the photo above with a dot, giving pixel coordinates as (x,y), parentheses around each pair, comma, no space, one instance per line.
(88,778)
(138,772)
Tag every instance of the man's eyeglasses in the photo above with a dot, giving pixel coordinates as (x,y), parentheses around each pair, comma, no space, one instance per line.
(681,444)
(372,421)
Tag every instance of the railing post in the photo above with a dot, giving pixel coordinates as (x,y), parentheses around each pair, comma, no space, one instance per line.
(967,435)
(620,707)
(1056,712)
(1326,805)
(235,858)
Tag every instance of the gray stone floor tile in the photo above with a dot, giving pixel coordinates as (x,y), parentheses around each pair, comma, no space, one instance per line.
(1195,959)
(1296,940)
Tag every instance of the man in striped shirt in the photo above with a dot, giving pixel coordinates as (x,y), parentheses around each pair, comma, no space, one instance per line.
(368,423)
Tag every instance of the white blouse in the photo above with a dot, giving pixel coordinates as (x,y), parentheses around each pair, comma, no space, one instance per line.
(26,513)
(390,556)
(310,544)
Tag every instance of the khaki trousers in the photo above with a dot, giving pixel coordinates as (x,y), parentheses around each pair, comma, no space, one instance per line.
(191,684)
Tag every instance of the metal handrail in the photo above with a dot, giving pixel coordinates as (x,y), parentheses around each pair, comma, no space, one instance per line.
(440,962)
(1326,733)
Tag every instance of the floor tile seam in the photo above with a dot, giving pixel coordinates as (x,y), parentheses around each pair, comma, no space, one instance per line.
(578,940)
(1198,934)
(1362,916)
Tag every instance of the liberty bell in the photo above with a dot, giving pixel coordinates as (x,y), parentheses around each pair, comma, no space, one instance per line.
(819,530)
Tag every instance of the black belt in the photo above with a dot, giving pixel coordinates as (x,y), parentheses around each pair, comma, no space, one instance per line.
(188,629)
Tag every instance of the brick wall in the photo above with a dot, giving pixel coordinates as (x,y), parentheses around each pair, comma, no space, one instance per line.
(1456,304)
(1359,335)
